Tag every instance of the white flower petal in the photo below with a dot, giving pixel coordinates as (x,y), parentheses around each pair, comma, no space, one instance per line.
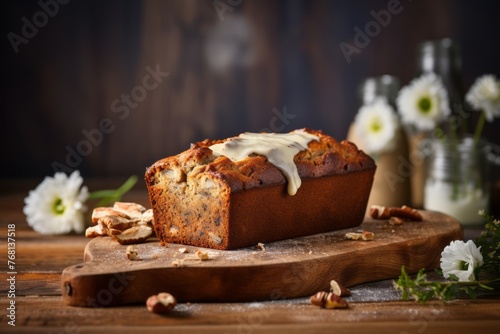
(40,210)
(376,125)
(458,253)
(484,95)
(427,88)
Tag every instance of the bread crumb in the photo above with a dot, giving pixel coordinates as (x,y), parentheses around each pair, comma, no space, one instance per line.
(183,250)
(178,263)
(261,246)
(202,255)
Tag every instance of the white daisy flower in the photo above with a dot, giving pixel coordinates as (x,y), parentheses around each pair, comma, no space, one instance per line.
(56,206)
(461,259)
(424,102)
(484,95)
(376,125)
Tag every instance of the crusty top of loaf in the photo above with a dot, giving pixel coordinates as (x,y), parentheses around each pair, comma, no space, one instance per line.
(324,158)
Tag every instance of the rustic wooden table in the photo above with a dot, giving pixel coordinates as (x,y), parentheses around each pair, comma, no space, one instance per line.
(38,306)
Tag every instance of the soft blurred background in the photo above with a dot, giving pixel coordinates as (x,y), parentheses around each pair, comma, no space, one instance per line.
(79,92)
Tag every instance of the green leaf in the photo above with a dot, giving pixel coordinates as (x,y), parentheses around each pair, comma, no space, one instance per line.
(470,292)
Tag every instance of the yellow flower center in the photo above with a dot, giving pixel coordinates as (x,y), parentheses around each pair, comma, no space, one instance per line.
(463,265)
(425,104)
(58,206)
(376,125)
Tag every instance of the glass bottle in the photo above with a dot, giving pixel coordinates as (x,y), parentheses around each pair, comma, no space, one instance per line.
(442,57)
(386,86)
(390,187)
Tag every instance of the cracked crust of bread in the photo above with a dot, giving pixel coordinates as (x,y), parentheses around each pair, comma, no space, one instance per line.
(191,192)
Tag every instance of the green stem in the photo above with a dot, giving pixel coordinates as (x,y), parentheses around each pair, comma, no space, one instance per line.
(455,165)
(470,283)
(479,128)
(113,195)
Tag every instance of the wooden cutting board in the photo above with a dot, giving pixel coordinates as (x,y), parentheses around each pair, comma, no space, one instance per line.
(286,269)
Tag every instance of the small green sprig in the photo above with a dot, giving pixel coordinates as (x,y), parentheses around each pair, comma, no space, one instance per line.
(113,195)
(488,274)
(489,241)
(422,290)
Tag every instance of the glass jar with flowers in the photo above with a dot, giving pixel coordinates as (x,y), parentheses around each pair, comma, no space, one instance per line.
(457,180)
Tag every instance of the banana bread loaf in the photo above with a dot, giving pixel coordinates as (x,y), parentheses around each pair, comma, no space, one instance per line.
(237,192)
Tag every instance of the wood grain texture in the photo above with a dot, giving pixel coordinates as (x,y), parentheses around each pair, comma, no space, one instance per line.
(283,316)
(66,79)
(287,269)
(40,309)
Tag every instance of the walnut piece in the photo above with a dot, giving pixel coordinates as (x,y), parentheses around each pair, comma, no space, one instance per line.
(131,253)
(353,236)
(261,246)
(161,303)
(328,300)
(379,212)
(404,212)
(339,289)
(178,263)
(365,236)
(201,255)
(396,221)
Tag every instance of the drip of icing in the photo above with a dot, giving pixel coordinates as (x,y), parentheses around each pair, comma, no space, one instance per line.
(279,148)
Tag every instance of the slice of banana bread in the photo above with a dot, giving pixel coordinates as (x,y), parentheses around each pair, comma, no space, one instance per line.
(204,198)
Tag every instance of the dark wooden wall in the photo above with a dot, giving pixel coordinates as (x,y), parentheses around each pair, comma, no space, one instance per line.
(227,73)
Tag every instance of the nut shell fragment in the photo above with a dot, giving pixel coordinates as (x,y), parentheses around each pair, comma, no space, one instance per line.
(134,235)
(96,231)
(147,217)
(117,222)
(133,210)
(129,206)
(105,211)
